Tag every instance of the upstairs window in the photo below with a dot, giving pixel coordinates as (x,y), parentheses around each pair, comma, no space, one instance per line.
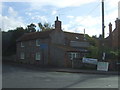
(37,42)
(21,44)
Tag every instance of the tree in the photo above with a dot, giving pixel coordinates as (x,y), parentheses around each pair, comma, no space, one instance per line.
(9,40)
(92,40)
(45,26)
(94,52)
(31,28)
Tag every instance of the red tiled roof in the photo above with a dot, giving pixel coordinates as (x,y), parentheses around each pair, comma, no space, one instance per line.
(45,34)
(74,36)
(64,47)
(35,35)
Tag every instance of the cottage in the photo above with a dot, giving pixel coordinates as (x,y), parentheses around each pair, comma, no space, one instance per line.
(53,47)
(113,39)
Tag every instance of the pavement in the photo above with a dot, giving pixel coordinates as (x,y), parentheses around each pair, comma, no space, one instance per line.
(68,70)
(87,71)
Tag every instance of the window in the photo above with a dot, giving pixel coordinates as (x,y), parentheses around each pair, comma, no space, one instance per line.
(73,55)
(22,55)
(76,37)
(22,44)
(37,57)
(37,42)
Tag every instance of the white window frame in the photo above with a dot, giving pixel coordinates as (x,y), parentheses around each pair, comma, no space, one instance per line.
(22,55)
(21,44)
(38,56)
(73,55)
(37,42)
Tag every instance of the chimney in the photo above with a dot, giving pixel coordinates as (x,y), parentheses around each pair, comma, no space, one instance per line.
(110,28)
(57,24)
(117,23)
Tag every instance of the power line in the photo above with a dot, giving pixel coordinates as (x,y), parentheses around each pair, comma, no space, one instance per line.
(88,14)
(91,12)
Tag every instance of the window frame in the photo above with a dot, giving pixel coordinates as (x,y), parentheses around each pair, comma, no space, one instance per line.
(72,55)
(21,44)
(38,56)
(22,55)
(37,42)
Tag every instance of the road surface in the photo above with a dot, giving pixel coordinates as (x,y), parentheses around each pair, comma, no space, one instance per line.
(21,77)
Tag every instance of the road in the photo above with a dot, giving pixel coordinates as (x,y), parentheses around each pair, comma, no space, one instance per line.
(21,77)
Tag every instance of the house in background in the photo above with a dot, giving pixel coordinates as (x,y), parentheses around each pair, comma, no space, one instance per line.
(112,40)
(52,47)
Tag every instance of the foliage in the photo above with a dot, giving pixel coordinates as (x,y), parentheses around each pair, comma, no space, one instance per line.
(113,54)
(94,52)
(92,40)
(9,40)
(31,28)
(45,26)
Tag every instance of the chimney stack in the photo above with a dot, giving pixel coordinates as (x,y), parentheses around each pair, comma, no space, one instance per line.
(117,23)
(57,24)
(110,28)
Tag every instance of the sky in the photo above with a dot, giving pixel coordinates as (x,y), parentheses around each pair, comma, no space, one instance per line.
(76,15)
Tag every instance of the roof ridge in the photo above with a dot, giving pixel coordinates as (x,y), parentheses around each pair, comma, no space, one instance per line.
(73,33)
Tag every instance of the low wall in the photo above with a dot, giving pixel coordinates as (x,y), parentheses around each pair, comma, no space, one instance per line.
(81,65)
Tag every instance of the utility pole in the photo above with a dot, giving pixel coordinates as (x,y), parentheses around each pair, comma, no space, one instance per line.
(103,34)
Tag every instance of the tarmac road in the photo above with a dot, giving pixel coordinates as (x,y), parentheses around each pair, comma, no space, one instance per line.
(20,77)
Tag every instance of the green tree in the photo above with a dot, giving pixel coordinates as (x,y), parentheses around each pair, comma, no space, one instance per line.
(9,40)
(31,28)
(94,52)
(45,26)
(92,40)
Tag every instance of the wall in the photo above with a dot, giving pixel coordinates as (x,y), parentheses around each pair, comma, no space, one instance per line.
(30,50)
(56,56)
(57,37)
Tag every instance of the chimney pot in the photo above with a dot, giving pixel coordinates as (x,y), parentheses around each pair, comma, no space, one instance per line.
(110,28)
(57,18)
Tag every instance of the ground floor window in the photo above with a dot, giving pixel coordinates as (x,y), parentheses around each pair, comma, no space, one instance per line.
(22,55)
(73,55)
(38,56)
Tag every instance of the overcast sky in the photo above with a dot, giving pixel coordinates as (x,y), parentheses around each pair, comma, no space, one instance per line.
(74,14)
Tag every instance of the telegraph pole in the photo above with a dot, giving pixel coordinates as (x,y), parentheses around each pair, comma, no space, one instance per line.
(103,34)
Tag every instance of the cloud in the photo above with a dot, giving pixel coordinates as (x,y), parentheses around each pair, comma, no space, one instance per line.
(11,21)
(38,4)
(70,17)
(54,12)
(12,12)
(0,7)
(112,3)
(76,23)
(28,13)
(41,18)
(93,25)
